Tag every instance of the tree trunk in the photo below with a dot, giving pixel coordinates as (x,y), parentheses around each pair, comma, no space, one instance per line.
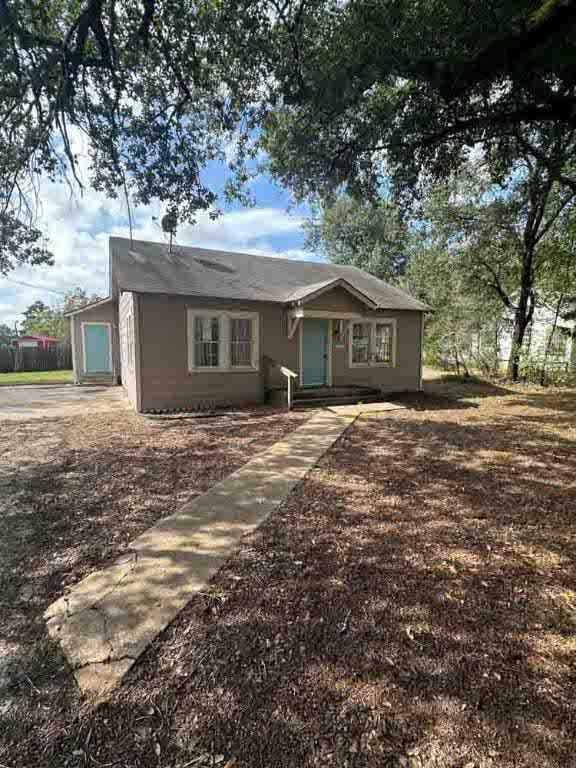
(521,322)
(524,311)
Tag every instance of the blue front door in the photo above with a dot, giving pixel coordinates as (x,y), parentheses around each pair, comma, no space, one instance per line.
(97,348)
(314,352)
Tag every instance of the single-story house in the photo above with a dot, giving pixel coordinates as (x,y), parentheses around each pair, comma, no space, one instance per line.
(186,328)
(35,341)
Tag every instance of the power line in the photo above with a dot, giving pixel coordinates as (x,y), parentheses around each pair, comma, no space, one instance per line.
(37,287)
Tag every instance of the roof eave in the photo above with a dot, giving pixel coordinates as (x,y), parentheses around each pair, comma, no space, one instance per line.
(86,307)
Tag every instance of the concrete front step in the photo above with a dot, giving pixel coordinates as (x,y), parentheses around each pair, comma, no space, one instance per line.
(324,402)
(105,381)
(310,393)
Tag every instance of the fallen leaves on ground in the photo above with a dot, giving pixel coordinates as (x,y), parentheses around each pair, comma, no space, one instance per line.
(410,605)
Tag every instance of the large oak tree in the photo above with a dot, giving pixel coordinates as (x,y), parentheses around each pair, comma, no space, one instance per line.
(159,88)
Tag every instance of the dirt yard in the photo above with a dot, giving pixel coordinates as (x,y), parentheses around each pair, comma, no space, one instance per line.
(73,493)
(412,604)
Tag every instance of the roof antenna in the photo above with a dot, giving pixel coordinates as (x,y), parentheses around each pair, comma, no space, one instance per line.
(169,223)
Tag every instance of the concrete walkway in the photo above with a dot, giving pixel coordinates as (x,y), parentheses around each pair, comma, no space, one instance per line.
(107,620)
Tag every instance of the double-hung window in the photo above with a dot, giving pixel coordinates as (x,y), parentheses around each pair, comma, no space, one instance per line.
(207,351)
(241,342)
(360,352)
(372,343)
(224,341)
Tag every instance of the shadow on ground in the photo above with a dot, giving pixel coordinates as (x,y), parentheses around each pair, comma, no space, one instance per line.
(72,495)
(411,604)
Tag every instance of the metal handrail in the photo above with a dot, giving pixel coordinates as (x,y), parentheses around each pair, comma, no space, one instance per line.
(289,375)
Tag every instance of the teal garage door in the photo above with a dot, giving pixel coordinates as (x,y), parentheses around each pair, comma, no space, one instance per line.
(314,352)
(97,348)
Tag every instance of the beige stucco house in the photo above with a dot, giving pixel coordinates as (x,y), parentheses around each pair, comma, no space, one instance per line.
(187,328)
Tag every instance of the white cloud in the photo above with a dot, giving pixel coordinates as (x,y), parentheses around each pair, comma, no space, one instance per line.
(79,225)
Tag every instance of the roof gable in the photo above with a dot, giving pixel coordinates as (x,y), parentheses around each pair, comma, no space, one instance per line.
(314,290)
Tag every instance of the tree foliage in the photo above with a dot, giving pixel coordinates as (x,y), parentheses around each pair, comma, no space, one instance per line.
(158,89)
(512,241)
(405,88)
(6,335)
(78,298)
(45,320)
(375,238)
(20,243)
(463,328)
(151,88)
(507,243)
(41,319)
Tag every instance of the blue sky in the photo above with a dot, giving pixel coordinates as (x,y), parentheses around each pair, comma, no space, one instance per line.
(78,226)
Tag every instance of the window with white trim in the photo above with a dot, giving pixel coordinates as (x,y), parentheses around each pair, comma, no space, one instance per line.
(206,341)
(372,343)
(224,341)
(361,343)
(382,343)
(241,342)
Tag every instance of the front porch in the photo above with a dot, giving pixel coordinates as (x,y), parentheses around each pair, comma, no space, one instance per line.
(319,397)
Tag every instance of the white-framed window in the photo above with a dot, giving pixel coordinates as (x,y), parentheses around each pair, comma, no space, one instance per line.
(372,343)
(360,343)
(206,341)
(241,342)
(223,341)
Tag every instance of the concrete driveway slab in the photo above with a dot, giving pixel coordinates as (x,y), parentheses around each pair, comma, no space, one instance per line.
(51,401)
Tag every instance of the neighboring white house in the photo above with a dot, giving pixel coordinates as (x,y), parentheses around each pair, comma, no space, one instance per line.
(562,347)
(562,350)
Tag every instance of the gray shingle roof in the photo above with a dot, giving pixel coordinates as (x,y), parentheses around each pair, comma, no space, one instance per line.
(146,267)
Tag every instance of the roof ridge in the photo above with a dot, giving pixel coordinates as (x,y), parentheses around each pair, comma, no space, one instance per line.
(229,253)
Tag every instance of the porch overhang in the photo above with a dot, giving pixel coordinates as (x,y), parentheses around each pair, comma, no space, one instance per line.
(301,296)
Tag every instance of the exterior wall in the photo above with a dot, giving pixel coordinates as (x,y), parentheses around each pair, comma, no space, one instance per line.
(167,383)
(128,314)
(105,313)
(404,376)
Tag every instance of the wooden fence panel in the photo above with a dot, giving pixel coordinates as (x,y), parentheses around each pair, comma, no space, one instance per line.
(55,358)
(6,360)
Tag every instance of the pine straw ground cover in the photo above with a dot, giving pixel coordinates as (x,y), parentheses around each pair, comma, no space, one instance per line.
(73,493)
(411,604)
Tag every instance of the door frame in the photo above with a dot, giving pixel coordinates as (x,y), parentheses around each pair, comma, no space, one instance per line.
(328,351)
(109,326)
